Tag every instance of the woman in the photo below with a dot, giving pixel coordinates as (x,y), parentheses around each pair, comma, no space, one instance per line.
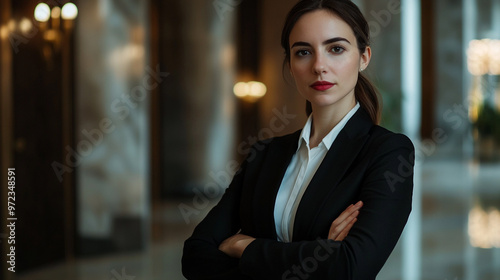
(329,201)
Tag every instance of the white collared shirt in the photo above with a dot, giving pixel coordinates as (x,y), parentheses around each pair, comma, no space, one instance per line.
(299,173)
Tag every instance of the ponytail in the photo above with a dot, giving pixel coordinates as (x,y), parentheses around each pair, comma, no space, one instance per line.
(367,96)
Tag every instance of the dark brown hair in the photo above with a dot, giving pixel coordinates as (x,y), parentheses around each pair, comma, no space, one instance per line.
(365,92)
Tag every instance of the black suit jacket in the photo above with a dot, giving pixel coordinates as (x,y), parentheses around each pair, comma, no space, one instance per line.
(366,162)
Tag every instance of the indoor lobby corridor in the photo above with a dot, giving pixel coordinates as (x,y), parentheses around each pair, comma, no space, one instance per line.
(460,207)
(118,118)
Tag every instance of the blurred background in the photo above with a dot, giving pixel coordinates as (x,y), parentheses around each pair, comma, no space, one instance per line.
(123,122)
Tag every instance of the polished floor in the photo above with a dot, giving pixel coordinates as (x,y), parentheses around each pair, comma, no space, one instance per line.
(459,230)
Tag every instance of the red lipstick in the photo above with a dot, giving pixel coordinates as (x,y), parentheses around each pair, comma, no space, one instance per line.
(322,85)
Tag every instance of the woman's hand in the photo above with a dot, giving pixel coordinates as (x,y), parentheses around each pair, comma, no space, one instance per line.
(235,245)
(343,224)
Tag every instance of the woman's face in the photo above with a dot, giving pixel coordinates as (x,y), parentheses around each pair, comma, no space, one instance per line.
(325,60)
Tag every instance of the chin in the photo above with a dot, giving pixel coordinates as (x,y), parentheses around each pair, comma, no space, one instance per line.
(322,101)
(330,100)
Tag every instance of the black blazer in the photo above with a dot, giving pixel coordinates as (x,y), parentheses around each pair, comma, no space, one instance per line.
(366,162)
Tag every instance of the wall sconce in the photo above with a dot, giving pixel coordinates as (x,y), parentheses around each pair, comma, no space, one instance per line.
(23,28)
(483,228)
(250,91)
(50,24)
(483,57)
(43,13)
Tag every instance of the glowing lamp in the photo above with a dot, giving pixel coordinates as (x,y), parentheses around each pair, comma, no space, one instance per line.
(42,12)
(250,91)
(69,11)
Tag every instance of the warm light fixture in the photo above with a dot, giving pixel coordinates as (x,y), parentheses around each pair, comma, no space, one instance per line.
(4,32)
(495,57)
(250,91)
(483,57)
(56,25)
(12,25)
(56,12)
(25,25)
(69,11)
(42,12)
(484,228)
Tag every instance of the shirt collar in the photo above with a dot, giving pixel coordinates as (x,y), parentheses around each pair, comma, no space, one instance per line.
(332,135)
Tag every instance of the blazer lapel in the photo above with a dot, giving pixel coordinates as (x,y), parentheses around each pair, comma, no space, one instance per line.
(277,159)
(339,158)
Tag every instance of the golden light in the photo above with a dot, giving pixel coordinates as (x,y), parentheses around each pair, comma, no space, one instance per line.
(42,12)
(51,35)
(241,89)
(56,12)
(484,228)
(69,11)
(25,25)
(12,25)
(495,57)
(4,32)
(55,33)
(257,89)
(250,91)
(483,57)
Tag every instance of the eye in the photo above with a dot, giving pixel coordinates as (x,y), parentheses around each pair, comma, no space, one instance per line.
(302,52)
(337,49)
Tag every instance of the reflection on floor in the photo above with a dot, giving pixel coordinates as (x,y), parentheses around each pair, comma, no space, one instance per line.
(460,207)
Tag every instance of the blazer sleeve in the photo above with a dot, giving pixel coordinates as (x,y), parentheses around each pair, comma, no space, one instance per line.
(386,192)
(201,257)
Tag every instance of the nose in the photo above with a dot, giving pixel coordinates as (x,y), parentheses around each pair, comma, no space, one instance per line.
(319,66)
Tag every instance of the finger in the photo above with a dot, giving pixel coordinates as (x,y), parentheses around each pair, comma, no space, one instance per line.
(337,226)
(340,223)
(342,235)
(337,229)
(347,212)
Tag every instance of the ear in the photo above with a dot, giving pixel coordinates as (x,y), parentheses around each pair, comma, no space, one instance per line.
(365,58)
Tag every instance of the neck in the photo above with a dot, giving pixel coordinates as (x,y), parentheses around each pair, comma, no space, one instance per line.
(326,118)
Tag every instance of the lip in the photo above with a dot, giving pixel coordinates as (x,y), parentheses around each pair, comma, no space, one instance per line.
(322,85)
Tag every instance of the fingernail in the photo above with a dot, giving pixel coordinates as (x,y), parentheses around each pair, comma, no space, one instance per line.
(359,203)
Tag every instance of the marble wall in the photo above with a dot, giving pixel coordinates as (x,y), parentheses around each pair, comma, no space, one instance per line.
(198,49)
(384,71)
(449,68)
(113,78)
(453,87)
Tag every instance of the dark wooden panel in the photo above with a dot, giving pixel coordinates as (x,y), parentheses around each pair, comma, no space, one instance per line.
(41,234)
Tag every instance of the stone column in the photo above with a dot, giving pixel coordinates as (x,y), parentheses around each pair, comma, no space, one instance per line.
(111,152)
(411,83)
(197,104)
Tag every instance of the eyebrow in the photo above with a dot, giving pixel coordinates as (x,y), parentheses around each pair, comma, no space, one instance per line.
(329,41)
